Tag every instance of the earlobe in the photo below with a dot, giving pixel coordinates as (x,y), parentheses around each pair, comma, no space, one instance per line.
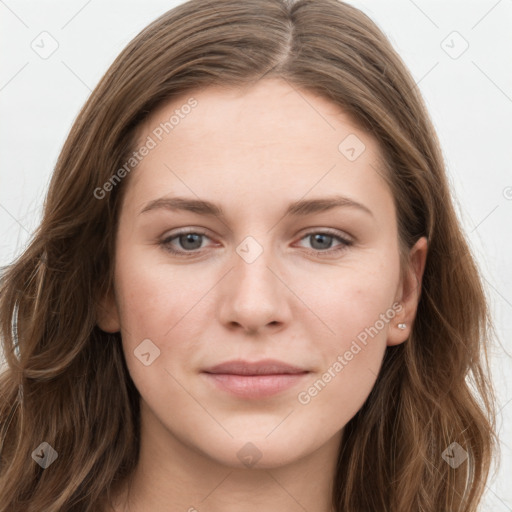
(107,314)
(409,294)
(398,331)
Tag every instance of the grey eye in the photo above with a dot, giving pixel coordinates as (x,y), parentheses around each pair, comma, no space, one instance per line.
(190,241)
(321,241)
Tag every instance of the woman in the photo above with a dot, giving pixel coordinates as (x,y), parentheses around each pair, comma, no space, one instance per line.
(255,369)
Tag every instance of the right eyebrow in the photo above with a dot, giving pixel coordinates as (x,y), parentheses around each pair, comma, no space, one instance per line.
(182,203)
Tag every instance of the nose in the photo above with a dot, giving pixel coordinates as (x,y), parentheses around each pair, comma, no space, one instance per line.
(254,296)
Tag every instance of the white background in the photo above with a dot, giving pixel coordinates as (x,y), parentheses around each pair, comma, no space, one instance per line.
(469,99)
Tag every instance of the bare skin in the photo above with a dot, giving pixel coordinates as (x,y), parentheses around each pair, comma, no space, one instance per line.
(303,299)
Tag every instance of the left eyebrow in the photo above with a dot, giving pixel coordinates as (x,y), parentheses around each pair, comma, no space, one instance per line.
(310,206)
(298,208)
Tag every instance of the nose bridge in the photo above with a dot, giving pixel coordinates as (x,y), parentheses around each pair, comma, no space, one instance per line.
(253,296)
(252,266)
(254,280)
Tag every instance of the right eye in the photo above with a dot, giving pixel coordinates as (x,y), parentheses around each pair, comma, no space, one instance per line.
(188,240)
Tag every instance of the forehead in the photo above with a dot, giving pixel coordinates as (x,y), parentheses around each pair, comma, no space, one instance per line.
(268,109)
(262,139)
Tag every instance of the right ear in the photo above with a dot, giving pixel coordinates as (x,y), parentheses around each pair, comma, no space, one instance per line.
(107,314)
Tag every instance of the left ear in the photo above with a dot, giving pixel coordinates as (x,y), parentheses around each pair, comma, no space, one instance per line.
(408,294)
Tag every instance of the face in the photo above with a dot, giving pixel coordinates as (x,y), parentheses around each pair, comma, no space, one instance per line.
(282,247)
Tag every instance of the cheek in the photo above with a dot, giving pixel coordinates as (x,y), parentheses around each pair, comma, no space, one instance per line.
(357,309)
(351,364)
(160,312)
(350,300)
(160,309)
(155,298)
(335,396)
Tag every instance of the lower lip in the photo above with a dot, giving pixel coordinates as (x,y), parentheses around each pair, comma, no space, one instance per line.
(255,386)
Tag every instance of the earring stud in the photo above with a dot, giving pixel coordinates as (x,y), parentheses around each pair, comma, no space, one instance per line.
(402,326)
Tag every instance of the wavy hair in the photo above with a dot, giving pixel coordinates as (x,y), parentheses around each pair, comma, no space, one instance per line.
(65,381)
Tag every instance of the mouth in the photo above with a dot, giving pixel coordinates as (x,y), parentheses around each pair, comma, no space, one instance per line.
(255,380)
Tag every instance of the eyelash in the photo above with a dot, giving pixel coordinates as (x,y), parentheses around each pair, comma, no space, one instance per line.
(165,243)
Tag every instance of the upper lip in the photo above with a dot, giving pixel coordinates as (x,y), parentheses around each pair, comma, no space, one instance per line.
(263,367)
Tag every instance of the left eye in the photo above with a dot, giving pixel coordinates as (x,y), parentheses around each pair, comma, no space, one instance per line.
(191,241)
(323,241)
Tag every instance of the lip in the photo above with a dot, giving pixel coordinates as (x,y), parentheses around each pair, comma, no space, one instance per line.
(255,380)
(262,367)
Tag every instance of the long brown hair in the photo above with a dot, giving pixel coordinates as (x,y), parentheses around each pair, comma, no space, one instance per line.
(66,382)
